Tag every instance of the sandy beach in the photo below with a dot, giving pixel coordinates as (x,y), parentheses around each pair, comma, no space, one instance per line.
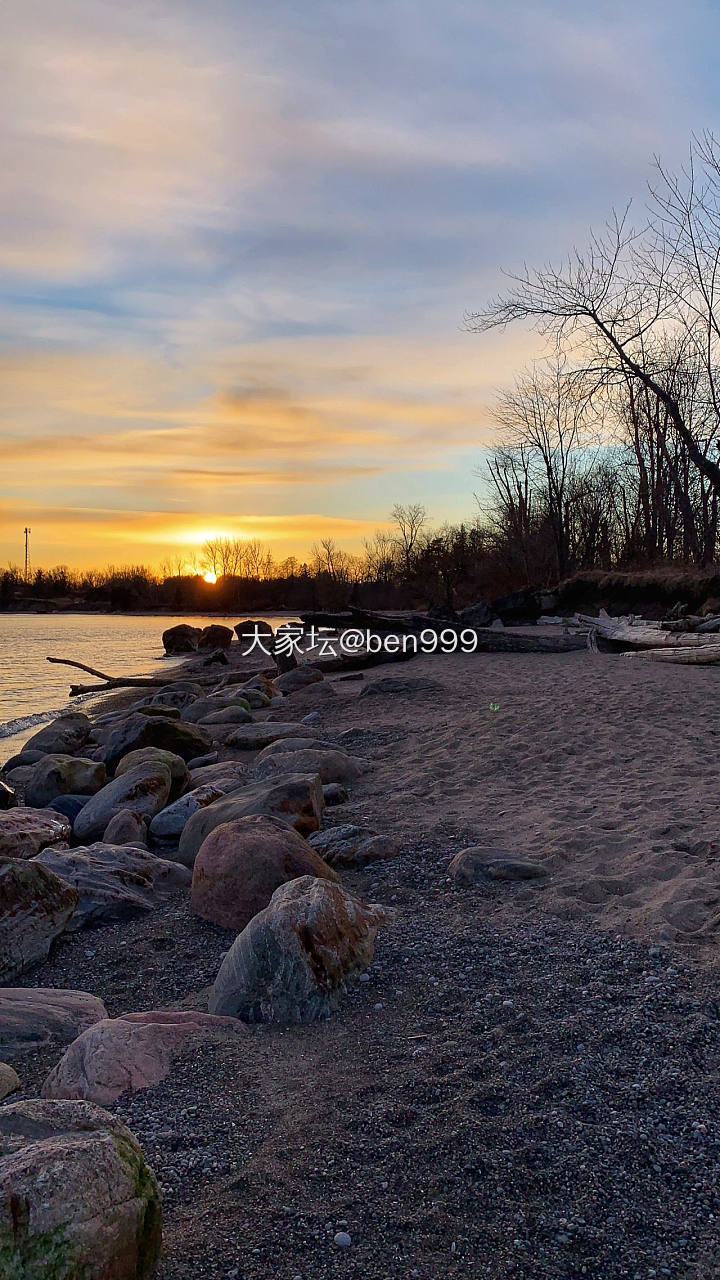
(526,1084)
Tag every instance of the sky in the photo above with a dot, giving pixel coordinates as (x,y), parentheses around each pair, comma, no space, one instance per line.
(239,241)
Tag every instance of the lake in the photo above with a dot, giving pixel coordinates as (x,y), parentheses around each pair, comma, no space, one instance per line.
(33,691)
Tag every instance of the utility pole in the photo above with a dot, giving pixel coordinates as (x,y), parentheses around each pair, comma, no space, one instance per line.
(28,531)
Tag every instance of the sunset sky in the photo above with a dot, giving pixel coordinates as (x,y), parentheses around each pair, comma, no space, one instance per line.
(238,241)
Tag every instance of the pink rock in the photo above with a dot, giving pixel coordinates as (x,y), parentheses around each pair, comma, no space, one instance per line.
(241,864)
(121,1055)
(24,832)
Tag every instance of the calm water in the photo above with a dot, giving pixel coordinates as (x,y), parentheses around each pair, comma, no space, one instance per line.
(32,690)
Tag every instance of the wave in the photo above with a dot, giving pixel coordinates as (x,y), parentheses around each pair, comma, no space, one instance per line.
(21,723)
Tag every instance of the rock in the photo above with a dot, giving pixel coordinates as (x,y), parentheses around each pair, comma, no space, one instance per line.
(70,806)
(144,790)
(181,638)
(228,715)
(295,744)
(312,717)
(292,962)
(298,678)
(175,697)
(476,615)
(35,908)
(218,658)
(126,827)
(476,863)
(218,774)
(168,825)
(257,699)
(252,737)
(330,766)
(295,798)
(113,882)
(351,846)
(135,1051)
(334,794)
(200,762)
(33,1017)
(208,706)
(17,778)
(57,775)
(255,636)
(179,771)
(22,758)
(8,799)
(402,686)
(76,1196)
(63,736)
(182,739)
(342,1239)
(24,832)
(215,636)
(9,1082)
(241,864)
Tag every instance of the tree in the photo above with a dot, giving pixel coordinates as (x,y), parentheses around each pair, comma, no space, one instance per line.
(614,302)
(409,520)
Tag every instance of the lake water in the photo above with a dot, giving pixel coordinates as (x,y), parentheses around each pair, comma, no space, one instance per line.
(33,691)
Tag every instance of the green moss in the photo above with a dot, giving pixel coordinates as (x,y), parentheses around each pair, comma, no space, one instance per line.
(47,1256)
(149,1232)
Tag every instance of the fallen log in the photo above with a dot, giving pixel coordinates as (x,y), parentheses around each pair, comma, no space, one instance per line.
(699,656)
(620,634)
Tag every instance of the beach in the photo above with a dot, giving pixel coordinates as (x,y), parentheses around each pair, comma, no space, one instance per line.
(526,1083)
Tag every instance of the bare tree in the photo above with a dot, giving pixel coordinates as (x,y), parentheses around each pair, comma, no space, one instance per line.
(409,519)
(613,302)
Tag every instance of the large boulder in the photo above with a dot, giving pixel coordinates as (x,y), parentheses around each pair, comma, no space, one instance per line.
(144,790)
(113,882)
(351,846)
(181,638)
(179,774)
(32,1017)
(292,962)
(126,827)
(256,632)
(121,1055)
(218,774)
(24,832)
(330,765)
(295,798)
(241,864)
(63,736)
(215,636)
(253,737)
(35,908)
(185,740)
(69,806)
(57,775)
(77,1200)
(168,825)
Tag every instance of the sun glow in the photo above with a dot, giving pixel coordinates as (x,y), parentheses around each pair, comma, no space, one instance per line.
(210,576)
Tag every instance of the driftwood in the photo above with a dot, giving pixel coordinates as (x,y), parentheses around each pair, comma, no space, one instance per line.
(124,682)
(619,634)
(699,656)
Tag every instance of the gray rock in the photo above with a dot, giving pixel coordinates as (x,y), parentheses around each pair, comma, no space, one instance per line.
(334,794)
(253,737)
(144,790)
(218,774)
(299,678)
(292,962)
(295,798)
(185,740)
(477,863)
(179,771)
(351,846)
(58,775)
(295,744)
(126,827)
(9,1080)
(113,882)
(169,823)
(34,1017)
(35,908)
(235,714)
(208,706)
(329,765)
(76,1196)
(63,736)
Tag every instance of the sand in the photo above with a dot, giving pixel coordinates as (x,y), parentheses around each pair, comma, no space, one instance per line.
(527,1084)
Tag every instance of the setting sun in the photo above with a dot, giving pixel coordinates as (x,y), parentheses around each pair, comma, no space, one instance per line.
(210,576)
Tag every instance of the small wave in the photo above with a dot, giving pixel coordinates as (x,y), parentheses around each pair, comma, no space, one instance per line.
(21,723)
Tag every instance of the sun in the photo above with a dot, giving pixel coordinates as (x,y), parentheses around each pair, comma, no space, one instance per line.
(210,576)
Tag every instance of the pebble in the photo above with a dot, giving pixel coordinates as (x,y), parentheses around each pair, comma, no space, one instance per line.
(342,1239)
